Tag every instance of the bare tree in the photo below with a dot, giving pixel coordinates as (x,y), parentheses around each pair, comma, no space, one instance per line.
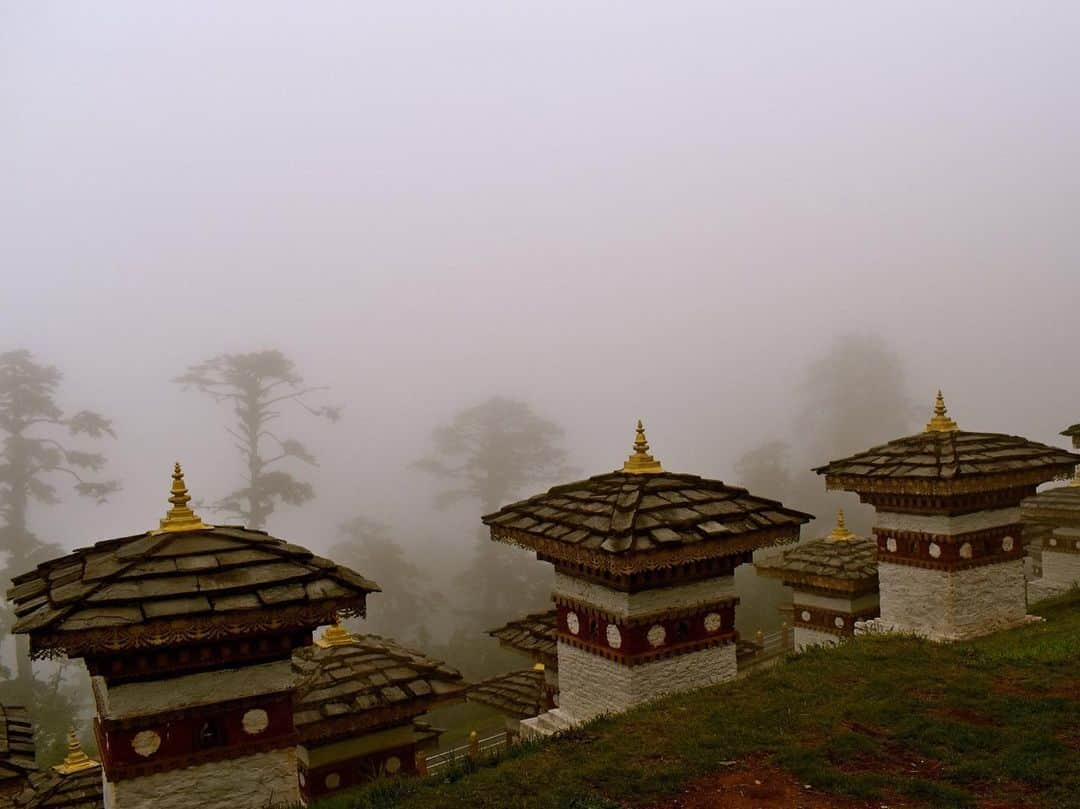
(34,453)
(256,385)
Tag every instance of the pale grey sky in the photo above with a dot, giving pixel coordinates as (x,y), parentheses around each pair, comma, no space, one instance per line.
(613,210)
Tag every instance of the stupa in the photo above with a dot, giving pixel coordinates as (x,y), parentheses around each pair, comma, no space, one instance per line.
(188,632)
(835,583)
(948,531)
(644,579)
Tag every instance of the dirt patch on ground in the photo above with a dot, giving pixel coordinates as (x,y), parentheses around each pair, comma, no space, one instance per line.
(755,784)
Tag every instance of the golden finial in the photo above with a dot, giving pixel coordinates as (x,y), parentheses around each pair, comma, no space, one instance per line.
(336,635)
(538,666)
(840,533)
(76,760)
(180,517)
(940,423)
(641,462)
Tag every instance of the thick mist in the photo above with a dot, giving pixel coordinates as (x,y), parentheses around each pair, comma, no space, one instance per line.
(607,211)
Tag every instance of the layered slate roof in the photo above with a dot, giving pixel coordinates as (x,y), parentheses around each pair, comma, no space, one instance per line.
(626,515)
(16,744)
(517,694)
(840,562)
(1061,504)
(534,635)
(1074,433)
(947,460)
(143,591)
(50,789)
(367,683)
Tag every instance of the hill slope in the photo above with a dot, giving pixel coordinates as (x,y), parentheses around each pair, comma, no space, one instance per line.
(887,720)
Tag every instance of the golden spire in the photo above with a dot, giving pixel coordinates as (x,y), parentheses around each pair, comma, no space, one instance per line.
(840,533)
(940,423)
(538,666)
(641,462)
(180,517)
(76,760)
(336,635)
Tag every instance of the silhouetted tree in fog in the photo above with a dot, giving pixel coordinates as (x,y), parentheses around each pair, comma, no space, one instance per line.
(765,470)
(255,384)
(492,453)
(399,610)
(35,452)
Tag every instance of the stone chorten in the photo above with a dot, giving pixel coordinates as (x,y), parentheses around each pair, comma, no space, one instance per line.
(1052,522)
(534,636)
(188,632)
(358,698)
(644,579)
(948,531)
(74,783)
(835,580)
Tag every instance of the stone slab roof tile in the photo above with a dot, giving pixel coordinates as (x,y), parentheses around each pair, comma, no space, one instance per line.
(952,455)
(374,672)
(534,635)
(16,745)
(50,789)
(517,694)
(134,580)
(618,513)
(822,560)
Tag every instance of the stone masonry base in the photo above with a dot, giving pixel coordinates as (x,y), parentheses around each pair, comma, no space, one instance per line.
(590,685)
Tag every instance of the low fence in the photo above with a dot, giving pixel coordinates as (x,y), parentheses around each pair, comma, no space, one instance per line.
(765,648)
(475,748)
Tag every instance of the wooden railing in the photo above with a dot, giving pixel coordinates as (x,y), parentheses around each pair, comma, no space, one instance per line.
(476,748)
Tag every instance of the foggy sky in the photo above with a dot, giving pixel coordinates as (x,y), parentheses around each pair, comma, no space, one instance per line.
(611,210)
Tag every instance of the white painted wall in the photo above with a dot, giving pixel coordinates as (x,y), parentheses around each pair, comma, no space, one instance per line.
(591,685)
(252,782)
(1060,570)
(813,637)
(940,524)
(952,605)
(632,605)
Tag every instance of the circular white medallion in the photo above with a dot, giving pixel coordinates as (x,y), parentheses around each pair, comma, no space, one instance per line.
(839,622)
(935,550)
(614,637)
(656,636)
(965,550)
(255,721)
(146,743)
(333,781)
(890,545)
(572,623)
(1053,542)
(713,622)
(805,615)
(1007,544)
(393,764)
(1078,544)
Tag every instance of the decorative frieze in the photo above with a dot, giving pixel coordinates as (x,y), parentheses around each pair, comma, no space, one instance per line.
(950,552)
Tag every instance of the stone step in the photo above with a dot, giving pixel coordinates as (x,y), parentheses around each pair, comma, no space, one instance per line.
(546,724)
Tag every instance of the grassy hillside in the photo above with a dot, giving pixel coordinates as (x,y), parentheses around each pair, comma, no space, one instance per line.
(995,722)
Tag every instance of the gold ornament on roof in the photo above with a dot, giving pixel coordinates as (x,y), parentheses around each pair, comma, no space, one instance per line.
(180,517)
(840,533)
(641,462)
(940,423)
(76,760)
(336,635)
(538,666)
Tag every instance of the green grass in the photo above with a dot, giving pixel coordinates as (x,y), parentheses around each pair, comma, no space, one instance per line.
(947,725)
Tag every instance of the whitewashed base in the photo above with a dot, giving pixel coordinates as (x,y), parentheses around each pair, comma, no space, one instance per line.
(590,685)
(805,637)
(952,605)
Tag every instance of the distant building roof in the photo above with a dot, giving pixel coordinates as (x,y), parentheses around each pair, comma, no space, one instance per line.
(176,585)
(534,635)
(16,743)
(517,694)
(1074,430)
(1057,505)
(840,561)
(347,683)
